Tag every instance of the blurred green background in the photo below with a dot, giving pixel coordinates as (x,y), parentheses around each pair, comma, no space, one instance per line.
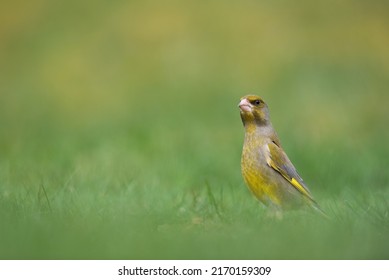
(120,136)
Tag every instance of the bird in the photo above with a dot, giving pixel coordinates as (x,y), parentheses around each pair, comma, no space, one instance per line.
(266,168)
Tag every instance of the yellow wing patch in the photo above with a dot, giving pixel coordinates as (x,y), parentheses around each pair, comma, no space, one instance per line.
(279,161)
(298,186)
(293,181)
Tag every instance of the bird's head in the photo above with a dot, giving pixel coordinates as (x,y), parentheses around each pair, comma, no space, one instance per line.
(253,110)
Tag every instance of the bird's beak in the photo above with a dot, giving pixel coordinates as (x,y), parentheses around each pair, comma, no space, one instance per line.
(244,105)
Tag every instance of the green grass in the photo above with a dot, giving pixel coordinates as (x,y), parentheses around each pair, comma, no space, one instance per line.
(120,136)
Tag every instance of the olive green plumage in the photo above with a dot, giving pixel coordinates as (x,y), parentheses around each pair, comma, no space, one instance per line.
(266,168)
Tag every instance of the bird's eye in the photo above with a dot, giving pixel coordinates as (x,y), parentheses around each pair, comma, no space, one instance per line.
(257,102)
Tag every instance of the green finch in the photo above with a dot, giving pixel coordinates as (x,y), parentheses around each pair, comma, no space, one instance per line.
(266,168)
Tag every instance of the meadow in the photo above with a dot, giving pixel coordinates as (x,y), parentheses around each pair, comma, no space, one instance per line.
(120,135)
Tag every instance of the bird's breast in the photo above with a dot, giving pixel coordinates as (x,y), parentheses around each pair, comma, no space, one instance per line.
(255,169)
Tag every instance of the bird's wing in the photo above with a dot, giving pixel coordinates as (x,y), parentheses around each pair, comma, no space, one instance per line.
(280,162)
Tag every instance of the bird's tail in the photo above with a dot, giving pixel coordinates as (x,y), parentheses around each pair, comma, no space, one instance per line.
(316,206)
